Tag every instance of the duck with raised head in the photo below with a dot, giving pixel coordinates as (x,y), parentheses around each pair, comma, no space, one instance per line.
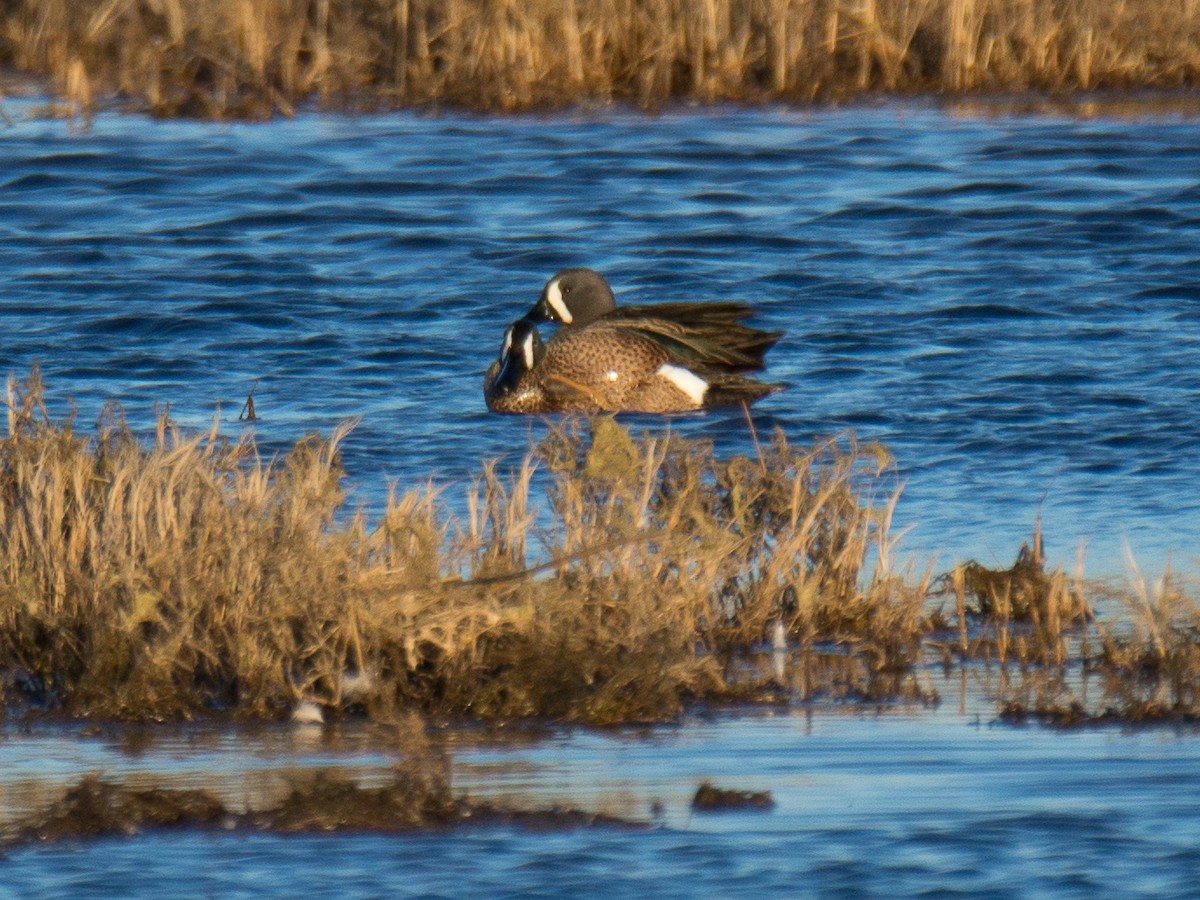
(605,369)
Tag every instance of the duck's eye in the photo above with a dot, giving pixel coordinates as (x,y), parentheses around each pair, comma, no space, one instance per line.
(554,305)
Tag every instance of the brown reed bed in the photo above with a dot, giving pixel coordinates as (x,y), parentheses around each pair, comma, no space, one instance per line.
(179,574)
(1146,669)
(1022,614)
(254,58)
(1057,661)
(174,575)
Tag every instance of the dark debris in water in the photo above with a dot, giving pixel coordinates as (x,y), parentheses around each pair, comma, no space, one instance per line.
(95,808)
(323,802)
(710,798)
(1074,715)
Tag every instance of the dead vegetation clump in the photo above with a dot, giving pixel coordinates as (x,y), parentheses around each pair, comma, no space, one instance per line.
(710,798)
(416,798)
(94,808)
(1140,665)
(1023,614)
(181,574)
(660,568)
(139,580)
(237,58)
(1150,662)
(792,539)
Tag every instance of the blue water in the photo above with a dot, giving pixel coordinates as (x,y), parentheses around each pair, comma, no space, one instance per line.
(1010,304)
(899,804)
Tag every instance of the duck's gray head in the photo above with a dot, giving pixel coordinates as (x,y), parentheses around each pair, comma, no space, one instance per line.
(521,351)
(574,297)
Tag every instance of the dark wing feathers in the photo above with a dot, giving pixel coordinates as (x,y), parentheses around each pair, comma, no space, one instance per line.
(714,342)
(723,312)
(734,390)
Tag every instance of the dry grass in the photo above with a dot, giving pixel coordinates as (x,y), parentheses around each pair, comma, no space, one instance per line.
(133,576)
(184,574)
(174,575)
(244,58)
(1022,614)
(1151,660)
(1138,665)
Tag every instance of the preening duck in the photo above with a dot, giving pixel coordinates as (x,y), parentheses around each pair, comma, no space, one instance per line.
(623,363)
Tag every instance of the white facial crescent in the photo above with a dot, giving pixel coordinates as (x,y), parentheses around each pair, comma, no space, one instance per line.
(555,298)
(527,346)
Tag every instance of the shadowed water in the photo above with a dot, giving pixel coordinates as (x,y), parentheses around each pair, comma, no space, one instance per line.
(1010,304)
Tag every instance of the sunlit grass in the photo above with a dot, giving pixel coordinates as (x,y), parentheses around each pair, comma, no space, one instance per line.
(164,577)
(1060,662)
(171,575)
(242,58)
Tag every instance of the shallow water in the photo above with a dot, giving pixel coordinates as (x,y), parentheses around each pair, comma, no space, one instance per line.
(1008,303)
(898,803)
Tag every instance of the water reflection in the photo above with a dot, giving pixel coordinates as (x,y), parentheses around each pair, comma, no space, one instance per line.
(895,801)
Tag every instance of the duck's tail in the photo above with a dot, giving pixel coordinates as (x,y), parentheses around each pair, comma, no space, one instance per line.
(734,390)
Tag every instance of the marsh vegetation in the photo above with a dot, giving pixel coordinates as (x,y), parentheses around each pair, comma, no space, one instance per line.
(238,58)
(174,575)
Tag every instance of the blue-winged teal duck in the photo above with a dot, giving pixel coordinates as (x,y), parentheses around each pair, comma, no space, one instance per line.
(707,336)
(630,359)
(508,385)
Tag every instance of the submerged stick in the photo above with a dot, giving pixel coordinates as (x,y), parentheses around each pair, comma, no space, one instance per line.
(247,414)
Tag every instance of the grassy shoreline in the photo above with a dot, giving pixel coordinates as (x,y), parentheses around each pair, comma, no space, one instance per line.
(176,575)
(242,59)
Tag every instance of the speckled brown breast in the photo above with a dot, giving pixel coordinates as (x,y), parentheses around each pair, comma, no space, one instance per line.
(610,367)
(599,368)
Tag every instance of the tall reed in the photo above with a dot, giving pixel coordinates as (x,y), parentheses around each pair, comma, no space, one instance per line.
(179,573)
(172,574)
(243,58)
(1021,614)
(1152,659)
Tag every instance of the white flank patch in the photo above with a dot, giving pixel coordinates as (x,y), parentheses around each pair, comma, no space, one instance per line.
(528,348)
(507,341)
(688,382)
(555,298)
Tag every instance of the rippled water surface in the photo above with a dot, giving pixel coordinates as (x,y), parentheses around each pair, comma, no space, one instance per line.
(1011,304)
(894,805)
